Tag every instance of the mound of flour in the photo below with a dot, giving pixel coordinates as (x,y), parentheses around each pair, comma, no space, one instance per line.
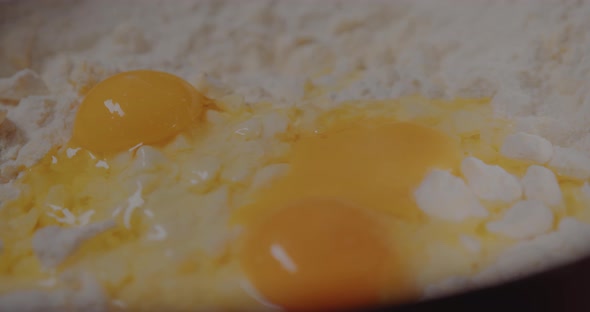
(532,57)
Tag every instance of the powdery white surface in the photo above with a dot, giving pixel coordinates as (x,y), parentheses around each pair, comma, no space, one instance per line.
(530,56)
(269,173)
(528,147)
(586,190)
(525,219)
(81,292)
(447,287)
(530,61)
(490,182)
(23,84)
(445,196)
(53,244)
(471,243)
(570,162)
(543,252)
(541,184)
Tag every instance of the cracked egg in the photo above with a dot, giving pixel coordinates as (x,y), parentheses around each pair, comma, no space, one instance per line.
(172,199)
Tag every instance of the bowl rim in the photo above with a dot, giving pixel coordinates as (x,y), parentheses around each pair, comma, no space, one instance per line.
(562,288)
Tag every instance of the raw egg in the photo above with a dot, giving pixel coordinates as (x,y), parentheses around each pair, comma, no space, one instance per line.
(136,107)
(313,208)
(318,254)
(322,245)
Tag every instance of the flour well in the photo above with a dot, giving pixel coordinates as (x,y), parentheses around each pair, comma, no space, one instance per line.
(532,58)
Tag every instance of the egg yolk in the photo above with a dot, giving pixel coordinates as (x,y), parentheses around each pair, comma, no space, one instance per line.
(336,252)
(317,254)
(373,165)
(136,107)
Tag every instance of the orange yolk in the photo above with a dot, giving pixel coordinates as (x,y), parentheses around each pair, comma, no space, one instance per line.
(135,107)
(317,254)
(338,249)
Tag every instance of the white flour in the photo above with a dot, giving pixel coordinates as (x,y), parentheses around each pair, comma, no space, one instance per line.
(532,57)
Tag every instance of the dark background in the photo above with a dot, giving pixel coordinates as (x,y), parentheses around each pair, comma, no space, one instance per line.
(565,288)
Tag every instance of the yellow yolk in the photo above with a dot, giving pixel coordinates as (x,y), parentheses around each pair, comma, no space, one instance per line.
(136,107)
(335,246)
(370,165)
(318,254)
(340,229)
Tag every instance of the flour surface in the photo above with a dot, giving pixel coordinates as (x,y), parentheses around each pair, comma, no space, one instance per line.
(531,57)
